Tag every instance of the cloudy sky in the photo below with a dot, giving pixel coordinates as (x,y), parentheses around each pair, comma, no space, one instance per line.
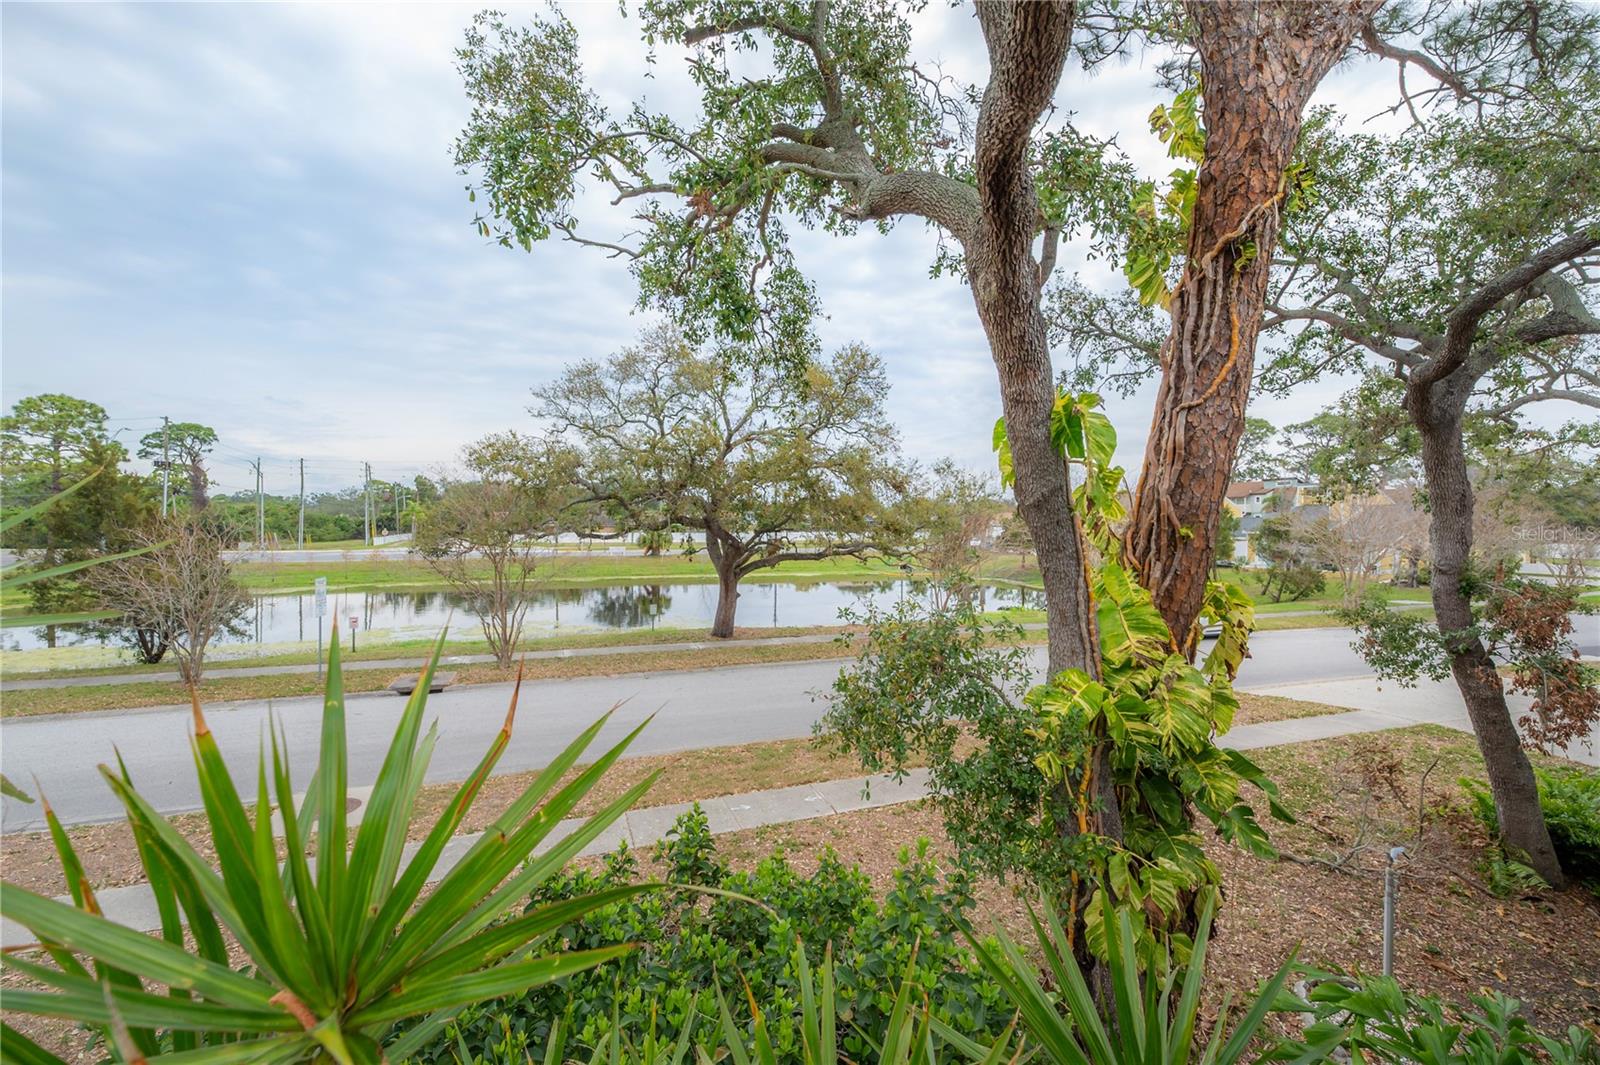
(246,215)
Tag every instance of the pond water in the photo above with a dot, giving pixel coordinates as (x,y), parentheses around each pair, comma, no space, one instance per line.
(278,619)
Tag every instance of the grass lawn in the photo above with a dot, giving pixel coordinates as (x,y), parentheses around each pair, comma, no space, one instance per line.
(369,650)
(1013,569)
(221,688)
(583,570)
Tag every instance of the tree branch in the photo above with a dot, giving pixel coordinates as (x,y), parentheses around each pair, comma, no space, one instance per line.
(1462,326)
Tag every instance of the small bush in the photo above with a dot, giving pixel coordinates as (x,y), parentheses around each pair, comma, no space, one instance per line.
(690,943)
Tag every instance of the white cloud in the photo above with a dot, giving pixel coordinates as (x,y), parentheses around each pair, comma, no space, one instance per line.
(247,215)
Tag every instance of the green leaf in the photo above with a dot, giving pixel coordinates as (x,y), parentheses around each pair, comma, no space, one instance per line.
(477,987)
(124,948)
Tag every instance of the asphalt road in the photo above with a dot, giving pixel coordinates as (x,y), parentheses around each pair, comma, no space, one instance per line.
(694,709)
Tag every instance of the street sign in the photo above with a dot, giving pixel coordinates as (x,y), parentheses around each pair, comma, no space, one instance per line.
(354,622)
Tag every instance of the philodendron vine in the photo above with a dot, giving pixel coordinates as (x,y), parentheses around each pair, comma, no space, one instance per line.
(1158,712)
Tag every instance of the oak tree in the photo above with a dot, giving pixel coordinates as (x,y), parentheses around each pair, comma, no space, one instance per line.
(1461,255)
(772,469)
(810,114)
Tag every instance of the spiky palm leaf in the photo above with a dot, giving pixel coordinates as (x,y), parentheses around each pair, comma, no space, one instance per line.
(342,947)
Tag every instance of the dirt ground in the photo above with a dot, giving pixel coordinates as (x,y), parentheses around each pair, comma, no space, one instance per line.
(1353,797)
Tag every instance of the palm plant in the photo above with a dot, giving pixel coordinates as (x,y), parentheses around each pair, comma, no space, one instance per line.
(1153,1018)
(340,948)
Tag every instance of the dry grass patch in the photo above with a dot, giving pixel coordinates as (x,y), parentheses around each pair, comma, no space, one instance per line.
(1256,709)
(111,860)
(221,688)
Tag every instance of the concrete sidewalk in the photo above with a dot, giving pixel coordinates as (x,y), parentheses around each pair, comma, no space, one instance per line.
(1427,702)
(134,905)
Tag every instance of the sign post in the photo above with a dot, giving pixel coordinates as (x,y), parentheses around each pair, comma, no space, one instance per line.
(354,622)
(321,587)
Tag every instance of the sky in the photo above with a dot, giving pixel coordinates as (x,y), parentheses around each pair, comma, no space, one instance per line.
(247,216)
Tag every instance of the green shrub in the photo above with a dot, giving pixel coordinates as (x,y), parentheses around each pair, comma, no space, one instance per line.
(1570,798)
(693,945)
(1381,1021)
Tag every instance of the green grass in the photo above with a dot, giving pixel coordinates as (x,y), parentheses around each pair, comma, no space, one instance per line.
(568,572)
(381,650)
(218,687)
(1012,569)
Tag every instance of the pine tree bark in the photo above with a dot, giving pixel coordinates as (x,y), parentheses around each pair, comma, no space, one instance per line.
(1260,62)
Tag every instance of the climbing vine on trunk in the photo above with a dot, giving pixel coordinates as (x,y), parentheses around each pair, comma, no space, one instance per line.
(1259,64)
(1143,726)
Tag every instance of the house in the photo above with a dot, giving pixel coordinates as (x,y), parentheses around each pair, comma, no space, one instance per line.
(1270,496)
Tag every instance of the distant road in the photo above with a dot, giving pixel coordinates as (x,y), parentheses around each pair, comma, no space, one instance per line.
(383,554)
(701,708)
(312,554)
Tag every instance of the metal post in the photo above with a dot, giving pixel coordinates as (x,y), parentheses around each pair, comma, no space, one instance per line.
(300,532)
(165,462)
(1391,877)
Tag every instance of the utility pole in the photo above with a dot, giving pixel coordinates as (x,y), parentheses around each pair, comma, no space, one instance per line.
(261,522)
(397,491)
(366,510)
(165,462)
(300,533)
(261,510)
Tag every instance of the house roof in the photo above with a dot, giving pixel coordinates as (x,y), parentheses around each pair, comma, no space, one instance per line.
(1240,489)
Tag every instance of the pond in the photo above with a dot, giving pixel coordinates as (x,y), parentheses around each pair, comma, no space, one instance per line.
(276,619)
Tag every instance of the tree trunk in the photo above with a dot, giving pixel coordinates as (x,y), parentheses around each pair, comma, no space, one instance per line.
(1437,414)
(1259,63)
(727,598)
(150,644)
(199,499)
(1024,42)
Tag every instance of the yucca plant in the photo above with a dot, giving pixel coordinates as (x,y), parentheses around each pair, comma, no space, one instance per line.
(1153,1016)
(339,947)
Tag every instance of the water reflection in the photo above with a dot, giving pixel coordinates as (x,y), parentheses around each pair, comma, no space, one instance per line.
(289,618)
